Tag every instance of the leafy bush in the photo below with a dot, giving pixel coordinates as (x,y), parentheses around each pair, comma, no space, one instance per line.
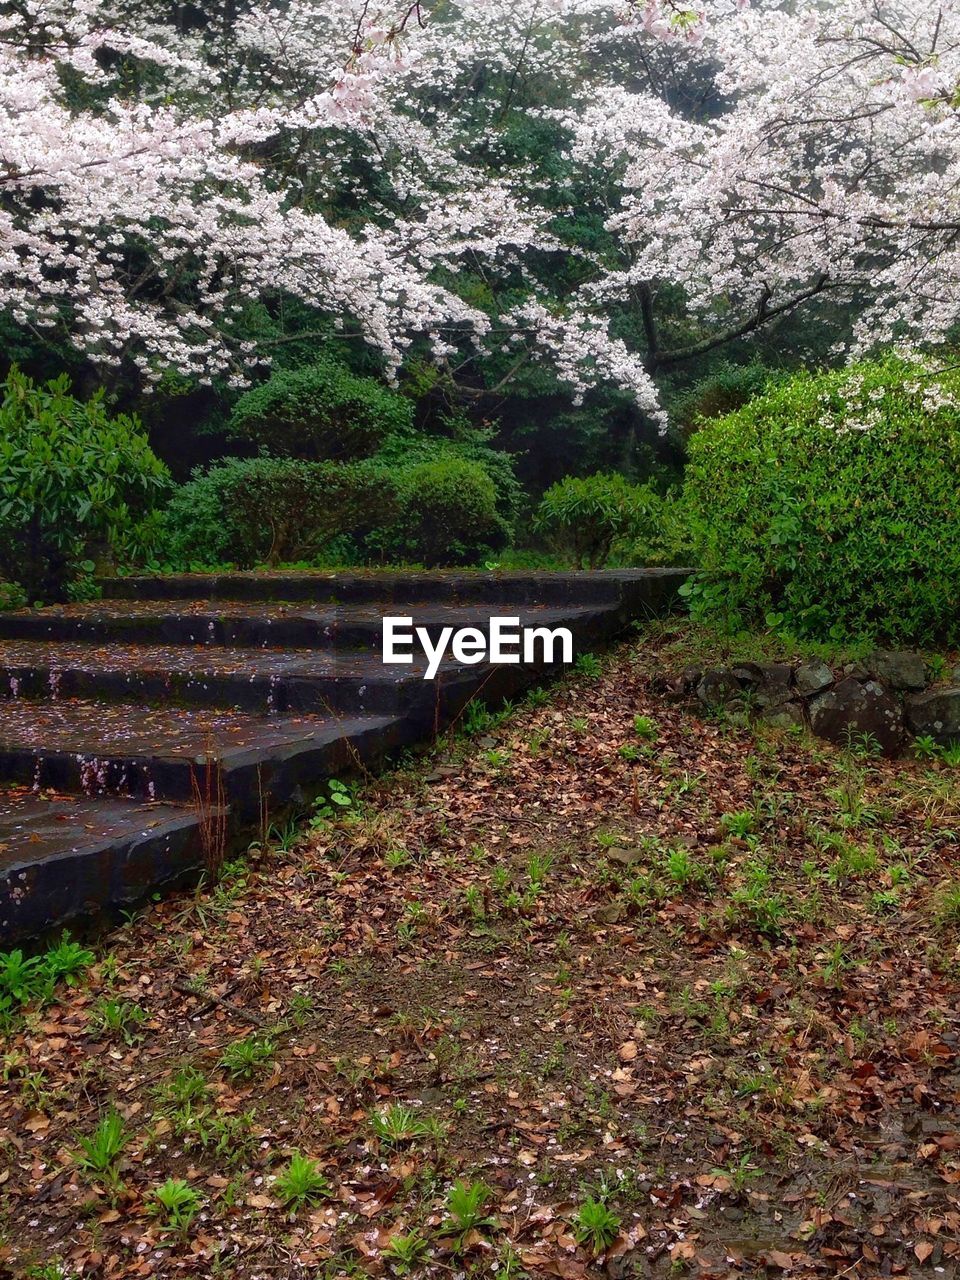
(321,411)
(460,439)
(583,516)
(247,511)
(12,596)
(447,514)
(831,506)
(729,388)
(74,483)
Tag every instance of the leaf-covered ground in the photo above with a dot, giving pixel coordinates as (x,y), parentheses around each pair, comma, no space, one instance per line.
(581,994)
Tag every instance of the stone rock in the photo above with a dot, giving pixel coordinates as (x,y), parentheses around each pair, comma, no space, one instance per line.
(856,670)
(898,668)
(850,709)
(811,677)
(748,673)
(691,677)
(626,857)
(788,715)
(768,682)
(775,687)
(935,713)
(717,687)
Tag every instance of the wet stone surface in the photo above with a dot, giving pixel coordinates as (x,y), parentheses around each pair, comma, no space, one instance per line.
(154,696)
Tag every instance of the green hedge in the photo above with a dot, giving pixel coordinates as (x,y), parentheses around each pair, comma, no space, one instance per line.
(249,511)
(830,507)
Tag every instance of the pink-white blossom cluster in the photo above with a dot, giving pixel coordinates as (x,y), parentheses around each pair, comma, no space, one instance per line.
(830,176)
(751,157)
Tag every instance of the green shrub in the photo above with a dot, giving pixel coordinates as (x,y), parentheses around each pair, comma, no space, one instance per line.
(831,507)
(75,484)
(248,511)
(663,535)
(447,514)
(727,389)
(584,516)
(321,411)
(459,439)
(12,596)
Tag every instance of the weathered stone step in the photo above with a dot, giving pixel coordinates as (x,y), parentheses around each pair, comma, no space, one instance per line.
(388,587)
(154,696)
(166,753)
(68,857)
(264,681)
(275,624)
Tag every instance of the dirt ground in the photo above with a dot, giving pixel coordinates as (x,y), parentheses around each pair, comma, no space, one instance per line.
(598,987)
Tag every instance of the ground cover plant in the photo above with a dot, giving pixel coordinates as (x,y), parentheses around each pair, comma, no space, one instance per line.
(597,987)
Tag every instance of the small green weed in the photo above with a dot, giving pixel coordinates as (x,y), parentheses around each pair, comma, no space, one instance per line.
(397,1124)
(186,1086)
(121,1018)
(177,1203)
(24,979)
(739,824)
(246,1058)
(67,960)
(948,904)
(595,1225)
(100,1151)
(465,1205)
(332,804)
(301,1183)
(646,728)
(405,1252)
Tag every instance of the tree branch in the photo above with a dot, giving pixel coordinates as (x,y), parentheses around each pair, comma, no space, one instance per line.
(762,316)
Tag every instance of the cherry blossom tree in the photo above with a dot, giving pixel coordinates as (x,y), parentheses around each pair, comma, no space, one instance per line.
(828,177)
(143,227)
(162,170)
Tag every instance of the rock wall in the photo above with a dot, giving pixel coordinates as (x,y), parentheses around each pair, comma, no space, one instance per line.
(889,696)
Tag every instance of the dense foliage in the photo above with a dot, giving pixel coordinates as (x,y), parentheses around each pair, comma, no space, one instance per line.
(249,511)
(76,485)
(830,506)
(321,411)
(728,387)
(493,243)
(583,517)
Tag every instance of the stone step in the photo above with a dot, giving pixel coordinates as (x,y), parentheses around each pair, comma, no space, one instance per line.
(151,706)
(275,624)
(263,681)
(389,587)
(167,753)
(64,857)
